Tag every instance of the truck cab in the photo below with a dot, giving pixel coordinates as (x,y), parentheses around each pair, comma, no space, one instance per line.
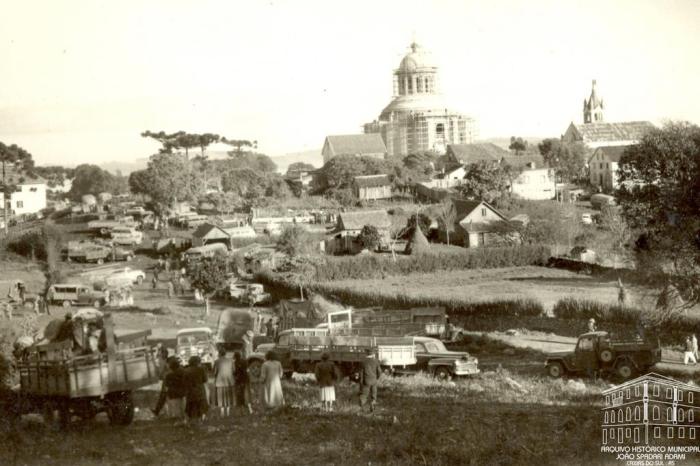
(196,342)
(599,352)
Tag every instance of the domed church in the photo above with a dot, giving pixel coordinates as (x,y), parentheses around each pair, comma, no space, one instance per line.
(417,119)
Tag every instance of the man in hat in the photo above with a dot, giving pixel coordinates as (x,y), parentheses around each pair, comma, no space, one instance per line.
(369,377)
(591,325)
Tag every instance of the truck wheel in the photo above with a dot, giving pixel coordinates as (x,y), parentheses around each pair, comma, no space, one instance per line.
(555,369)
(66,303)
(120,408)
(104,231)
(442,373)
(625,370)
(129,257)
(100,261)
(606,355)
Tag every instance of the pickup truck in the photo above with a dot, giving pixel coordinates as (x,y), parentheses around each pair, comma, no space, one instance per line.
(298,350)
(598,352)
(433,358)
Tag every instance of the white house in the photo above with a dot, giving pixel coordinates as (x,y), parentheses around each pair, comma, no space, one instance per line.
(30,196)
(535,181)
(603,165)
(479,224)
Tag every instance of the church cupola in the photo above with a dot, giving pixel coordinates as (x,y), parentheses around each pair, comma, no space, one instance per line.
(593,107)
(417,74)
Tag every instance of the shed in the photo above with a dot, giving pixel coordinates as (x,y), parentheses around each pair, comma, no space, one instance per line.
(208,233)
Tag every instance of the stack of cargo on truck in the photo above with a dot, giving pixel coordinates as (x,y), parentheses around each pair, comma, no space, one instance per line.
(79,373)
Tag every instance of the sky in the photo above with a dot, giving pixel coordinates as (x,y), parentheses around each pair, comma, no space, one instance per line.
(81,79)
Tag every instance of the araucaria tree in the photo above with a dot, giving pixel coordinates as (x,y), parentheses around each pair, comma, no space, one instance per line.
(209,275)
(660,198)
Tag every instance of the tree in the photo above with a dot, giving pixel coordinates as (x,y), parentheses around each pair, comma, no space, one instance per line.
(420,219)
(169,180)
(238,145)
(209,275)
(54,175)
(611,220)
(446,217)
(19,159)
(660,181)
(139,182)
(517,145)
(300,166)
(487,182)
(91,179)
(369,237)
(569,160)
(294,241)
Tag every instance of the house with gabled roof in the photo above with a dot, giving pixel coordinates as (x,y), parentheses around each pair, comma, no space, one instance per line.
(372,187)
(208,233)
(359,145)
(343,238)
(464,154)
(603,165)
(30,194)
(479,224)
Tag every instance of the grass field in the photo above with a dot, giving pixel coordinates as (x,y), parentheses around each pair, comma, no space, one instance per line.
(546,285)
(494,418)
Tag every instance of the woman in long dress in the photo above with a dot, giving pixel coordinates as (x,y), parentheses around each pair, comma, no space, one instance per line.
(271,373)
(223,383)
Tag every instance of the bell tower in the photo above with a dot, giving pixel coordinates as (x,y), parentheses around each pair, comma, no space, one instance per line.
(593,107)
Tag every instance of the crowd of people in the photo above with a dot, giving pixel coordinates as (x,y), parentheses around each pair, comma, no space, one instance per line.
(189,397)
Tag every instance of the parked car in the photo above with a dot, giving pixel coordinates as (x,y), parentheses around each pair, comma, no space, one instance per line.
(597,351)
(126,235)
(197,341)
(115,278)
(434,358)
(75,295)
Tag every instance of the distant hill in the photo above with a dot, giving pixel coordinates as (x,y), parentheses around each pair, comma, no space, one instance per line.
(313,157)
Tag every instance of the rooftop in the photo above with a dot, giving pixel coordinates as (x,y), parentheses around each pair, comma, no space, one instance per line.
(479,152)
(358,219)
(372,181)
(356,144)
(612,153)
(622,131)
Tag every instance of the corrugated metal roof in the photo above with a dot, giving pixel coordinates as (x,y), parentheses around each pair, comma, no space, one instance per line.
(356,220)
(356,144)
(473,153)
(372,181)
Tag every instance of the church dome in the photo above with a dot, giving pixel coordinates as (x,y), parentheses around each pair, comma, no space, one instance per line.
(417,59)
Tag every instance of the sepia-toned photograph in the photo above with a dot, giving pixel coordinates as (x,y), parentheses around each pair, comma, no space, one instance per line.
(324,232)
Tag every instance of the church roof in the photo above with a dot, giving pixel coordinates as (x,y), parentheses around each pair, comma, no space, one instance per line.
(479,152)
(355,144)
(610,132)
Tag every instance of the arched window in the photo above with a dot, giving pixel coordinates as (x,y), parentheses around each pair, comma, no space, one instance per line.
(440,129)
(620,416)
(612,417)
(656,413)
(637,413)
(669,414)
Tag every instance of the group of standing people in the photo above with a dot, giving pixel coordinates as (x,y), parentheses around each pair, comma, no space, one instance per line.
(185,390)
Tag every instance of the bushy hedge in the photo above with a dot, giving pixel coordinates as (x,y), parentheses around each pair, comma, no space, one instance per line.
(381,265)
(30,245)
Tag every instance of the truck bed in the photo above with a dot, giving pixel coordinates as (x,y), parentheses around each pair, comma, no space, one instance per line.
(89,375)
(390,351)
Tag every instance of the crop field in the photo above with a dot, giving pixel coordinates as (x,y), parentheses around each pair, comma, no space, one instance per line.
(545,285)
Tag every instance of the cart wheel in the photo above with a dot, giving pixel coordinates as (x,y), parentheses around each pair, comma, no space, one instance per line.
(442,373)
(120,408)
(66,303)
